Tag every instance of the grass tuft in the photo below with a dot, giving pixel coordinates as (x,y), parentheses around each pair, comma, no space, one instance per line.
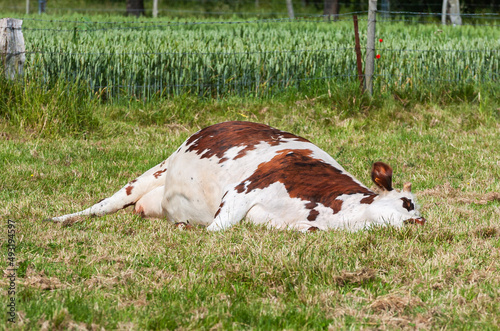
(41,111)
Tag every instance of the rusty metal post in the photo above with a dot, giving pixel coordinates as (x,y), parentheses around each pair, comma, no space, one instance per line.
(357,48)
(370,46)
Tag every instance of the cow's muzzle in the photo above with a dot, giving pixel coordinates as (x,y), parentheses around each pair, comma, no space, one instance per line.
(419,221)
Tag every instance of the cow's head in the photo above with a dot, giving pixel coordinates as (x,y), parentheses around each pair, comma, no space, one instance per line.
(392,206)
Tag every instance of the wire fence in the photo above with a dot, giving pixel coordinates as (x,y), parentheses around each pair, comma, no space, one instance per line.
(261,57)
(234,7)
(386,16)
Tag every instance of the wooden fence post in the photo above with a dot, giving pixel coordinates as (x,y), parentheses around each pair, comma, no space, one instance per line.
(444,11)
(370,46)
(155,8)
(455,17)
(12,50)
(289,7)
(386,7)
(41,6)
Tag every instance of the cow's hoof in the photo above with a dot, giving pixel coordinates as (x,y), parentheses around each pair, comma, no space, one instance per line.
(419,221)
(184,226)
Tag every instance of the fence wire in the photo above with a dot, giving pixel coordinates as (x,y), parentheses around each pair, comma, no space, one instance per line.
(234,8)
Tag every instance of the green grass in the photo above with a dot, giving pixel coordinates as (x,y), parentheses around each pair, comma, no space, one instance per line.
(121,57)
(63,147)
(65,108)
(121,271)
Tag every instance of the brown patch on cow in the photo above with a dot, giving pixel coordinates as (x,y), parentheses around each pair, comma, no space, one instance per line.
(217,139)
(312,229)
(313,214)
(311,205)
(382,175)
(368,200)
(132,181)
(128,190)
(407,204)
(159,173)
(220,207)
(221,204)
(304,177)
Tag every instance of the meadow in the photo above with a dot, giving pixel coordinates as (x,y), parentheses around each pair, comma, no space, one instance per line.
(64,147)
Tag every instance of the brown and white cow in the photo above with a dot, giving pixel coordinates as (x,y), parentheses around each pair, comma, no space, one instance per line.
(232,171)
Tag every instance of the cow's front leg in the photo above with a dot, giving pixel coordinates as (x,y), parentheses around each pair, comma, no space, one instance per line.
(232,209)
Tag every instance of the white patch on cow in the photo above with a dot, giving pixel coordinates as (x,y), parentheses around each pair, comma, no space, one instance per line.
(233,152)
(271,206)
(149,205)
(387,209)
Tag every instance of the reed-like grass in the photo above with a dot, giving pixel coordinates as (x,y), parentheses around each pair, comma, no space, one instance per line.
(261,58)
(65,108)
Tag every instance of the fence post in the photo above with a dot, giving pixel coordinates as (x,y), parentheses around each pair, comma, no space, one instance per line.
(386,7)
(370,46)
(12,50)
(455,17)
(289,7)
(41,6)
(444,11)
(155,8)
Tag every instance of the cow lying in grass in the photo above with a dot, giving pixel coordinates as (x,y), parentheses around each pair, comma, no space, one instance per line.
(240,170)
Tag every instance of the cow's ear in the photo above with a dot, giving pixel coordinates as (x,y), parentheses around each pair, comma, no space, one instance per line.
(382,175)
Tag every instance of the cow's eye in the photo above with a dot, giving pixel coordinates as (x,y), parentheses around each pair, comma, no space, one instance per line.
(407,204)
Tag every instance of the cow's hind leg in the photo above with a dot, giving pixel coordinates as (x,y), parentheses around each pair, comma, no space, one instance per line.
(149,182)
(149,205)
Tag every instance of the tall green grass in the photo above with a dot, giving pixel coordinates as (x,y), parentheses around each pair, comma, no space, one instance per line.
(60,109)
(124,57)
(73,61)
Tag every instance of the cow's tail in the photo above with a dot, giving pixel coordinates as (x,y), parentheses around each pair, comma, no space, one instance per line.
(126,196)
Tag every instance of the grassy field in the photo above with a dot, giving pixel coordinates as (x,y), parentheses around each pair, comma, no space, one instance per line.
(123,272)
(63,148)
